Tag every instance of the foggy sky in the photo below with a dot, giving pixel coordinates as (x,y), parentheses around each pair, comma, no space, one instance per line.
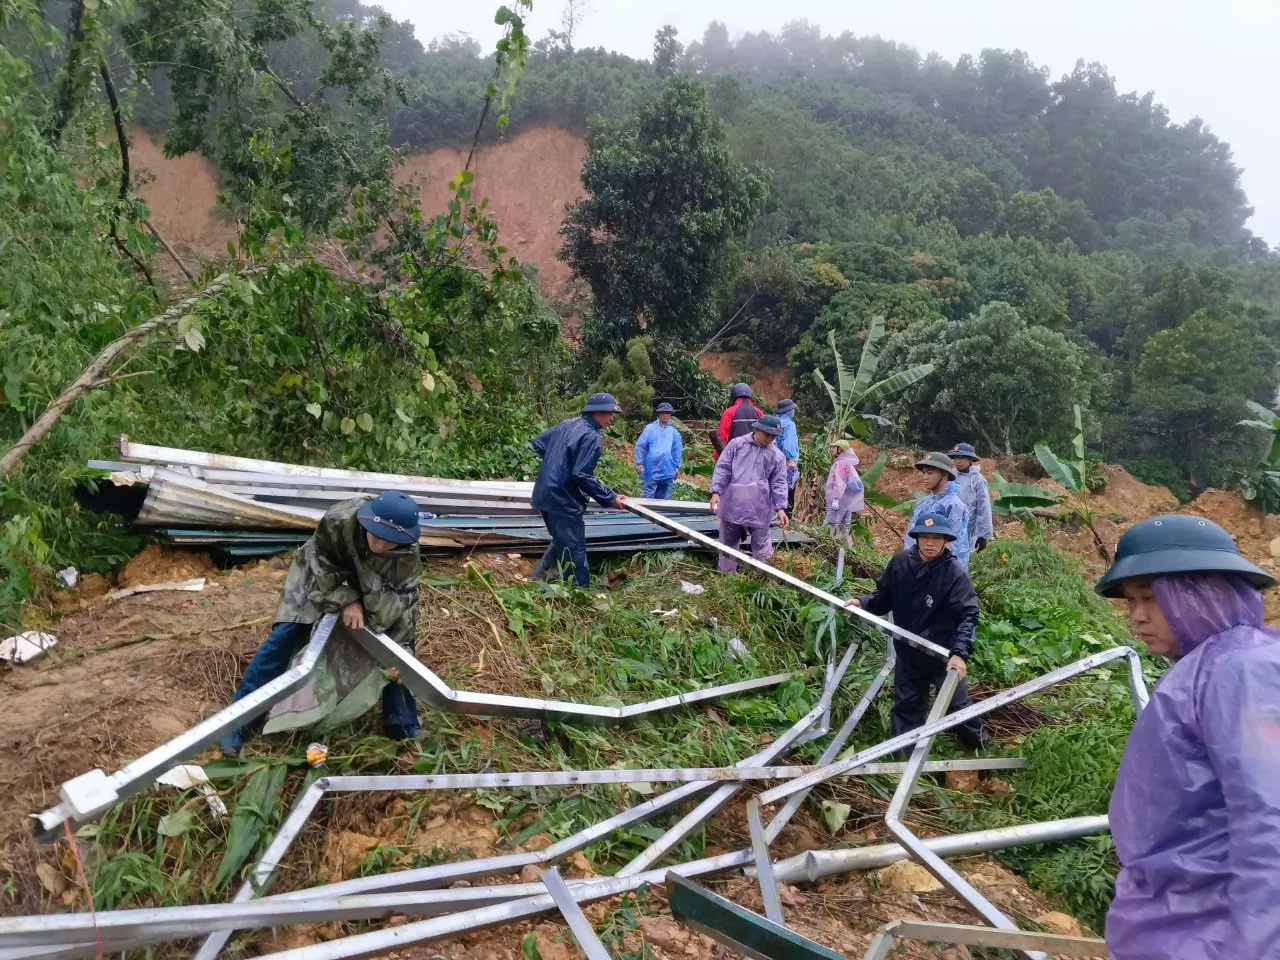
(1216,59)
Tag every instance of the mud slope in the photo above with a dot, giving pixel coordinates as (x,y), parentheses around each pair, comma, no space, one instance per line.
(528,180)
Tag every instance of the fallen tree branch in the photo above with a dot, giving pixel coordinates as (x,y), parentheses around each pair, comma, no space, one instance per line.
(122,198)
(92,374)
(151,228)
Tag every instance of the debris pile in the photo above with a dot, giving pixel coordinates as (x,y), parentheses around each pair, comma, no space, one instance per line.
(243,508)
(442,900)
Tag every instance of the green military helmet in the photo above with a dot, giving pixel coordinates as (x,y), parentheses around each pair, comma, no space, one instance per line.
(1174,544)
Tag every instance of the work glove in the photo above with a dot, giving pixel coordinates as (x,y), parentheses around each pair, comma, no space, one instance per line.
(980,544)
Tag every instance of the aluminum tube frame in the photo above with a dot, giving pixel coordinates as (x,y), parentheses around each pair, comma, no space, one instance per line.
(439,695)
(795,801)
(764,866)
(1051,943)
(576,920)
(911,737)
(140,773)
(809,589)
(814,865)
(690,821)
(943,871)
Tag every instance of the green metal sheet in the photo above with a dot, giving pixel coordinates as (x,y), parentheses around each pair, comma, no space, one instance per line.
(741,930)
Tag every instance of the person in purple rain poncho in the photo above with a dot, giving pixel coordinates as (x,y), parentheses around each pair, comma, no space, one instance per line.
(748,489)
(1195,813)
(844,491)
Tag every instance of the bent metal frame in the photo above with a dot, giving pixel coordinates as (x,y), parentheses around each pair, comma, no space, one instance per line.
(411,892)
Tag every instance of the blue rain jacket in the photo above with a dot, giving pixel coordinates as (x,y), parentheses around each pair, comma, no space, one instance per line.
(950,505)
(1195,814)
(973,491)
(659,451)
(789,444)
(569,455)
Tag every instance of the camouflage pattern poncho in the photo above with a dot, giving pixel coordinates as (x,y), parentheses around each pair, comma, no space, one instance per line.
(335,567)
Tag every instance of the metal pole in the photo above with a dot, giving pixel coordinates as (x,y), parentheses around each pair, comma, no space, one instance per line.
(574,917)
(814,865)
(764,866)
(949,878)
(1055,944)
(902,741)
(809,589)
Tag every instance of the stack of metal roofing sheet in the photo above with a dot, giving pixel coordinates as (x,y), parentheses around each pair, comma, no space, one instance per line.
(243,507)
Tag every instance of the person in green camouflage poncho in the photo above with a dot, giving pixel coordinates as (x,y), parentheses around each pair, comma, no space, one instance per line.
(363,561)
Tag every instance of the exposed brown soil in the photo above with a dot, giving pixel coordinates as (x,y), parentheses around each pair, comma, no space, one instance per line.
(528,181)
(772,378)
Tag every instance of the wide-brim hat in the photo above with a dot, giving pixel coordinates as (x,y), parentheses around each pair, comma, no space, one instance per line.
(768,424)
(391,516)
(964,450)
(932,523)
(786,406)
(666,408)
(1177,544)
(601,403)
(840,444)
(938,461)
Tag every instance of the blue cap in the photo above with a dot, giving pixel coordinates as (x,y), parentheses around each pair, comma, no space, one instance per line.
(666,408)
(601,403)
(740,390)
(768,424)
(964,450)
(934,523)
(786,406)
(391,516)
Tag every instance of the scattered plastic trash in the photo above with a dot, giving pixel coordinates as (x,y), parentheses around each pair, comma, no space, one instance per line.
(194,586)
(665,614)
(694,588)
(317,753)
(738,649)
(68,576)
(188,776)
(24,647)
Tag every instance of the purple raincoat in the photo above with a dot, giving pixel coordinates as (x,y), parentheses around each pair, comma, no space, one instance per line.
(1196,810)
(844,491)
(751,481)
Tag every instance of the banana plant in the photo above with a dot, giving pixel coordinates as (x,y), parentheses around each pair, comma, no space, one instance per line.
(854,391)
(1262,485)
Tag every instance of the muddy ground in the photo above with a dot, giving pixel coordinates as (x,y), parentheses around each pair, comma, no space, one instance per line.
(129,674)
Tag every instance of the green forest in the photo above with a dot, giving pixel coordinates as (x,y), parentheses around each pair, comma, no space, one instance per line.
(1042,242)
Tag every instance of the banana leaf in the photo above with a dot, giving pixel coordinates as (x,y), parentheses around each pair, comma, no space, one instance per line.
(1060,471)
(896,383)
(255,807)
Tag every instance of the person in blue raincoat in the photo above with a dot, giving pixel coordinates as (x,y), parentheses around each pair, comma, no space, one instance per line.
(570,452)
(749,489)
(1195,814)
(789,444)
(974,493)
(942,495)
(659,454)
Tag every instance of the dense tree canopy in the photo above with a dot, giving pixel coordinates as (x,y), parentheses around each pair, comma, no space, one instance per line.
(665,202)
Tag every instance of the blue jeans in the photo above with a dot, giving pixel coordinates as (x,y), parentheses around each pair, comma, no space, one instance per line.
(399,708)
(568,549)
(659,489)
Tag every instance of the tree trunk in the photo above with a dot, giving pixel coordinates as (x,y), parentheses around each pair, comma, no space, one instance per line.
(92,375)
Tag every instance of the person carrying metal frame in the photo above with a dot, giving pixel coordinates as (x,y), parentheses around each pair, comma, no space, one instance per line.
(942,495)
(929,593)
(570,452)
(362,560)
(749,489)
(975,494)
(659,454)
(1195,814)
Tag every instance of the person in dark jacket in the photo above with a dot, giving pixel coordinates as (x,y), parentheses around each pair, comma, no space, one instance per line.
(363,561)
(567,479)
(739,419)
(929,593)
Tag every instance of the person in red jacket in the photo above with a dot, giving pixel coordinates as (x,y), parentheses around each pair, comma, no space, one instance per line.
(737,420)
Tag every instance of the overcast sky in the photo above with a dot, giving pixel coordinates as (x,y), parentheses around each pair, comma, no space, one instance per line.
(1217,59)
